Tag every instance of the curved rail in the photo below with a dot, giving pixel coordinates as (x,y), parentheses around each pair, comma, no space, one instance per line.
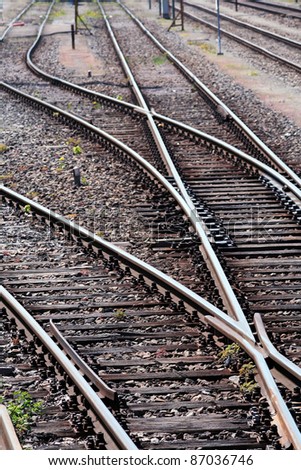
(272,352)
(93,95)
(128,107)
(8,436)
(106,392)
(189,213)
(188,209)
(219,105)
(10,25)
(209,314)
(209,139)
(138,268)
(114,433)
(288,428)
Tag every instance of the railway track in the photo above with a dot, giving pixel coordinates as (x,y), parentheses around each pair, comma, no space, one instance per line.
(272,8)
(147,344)
(280,198)
(279,48)
(214,223)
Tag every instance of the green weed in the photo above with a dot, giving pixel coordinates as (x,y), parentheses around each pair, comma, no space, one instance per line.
(22,409)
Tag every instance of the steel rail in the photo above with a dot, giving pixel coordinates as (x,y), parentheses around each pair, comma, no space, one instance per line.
(265,170)
(272,352)
(275,5)
(219,105)
(208,253)
(282,9)
(188,208)
(283,418)
(128,107)
(137,267)
(199,225)
(64,83)
(287,427)
(249,44)
(10,25)
(106,392)
(170,168)
(117,437)
(277,37)
(8,436)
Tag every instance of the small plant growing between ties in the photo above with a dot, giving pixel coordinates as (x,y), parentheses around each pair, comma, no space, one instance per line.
(73,141)
(77,150)
(61,164)
(246,377)
(84,181)
(160,59)
(96,105)
(27,209)
(119,313)
(229,354)
(3,148)
(22,410)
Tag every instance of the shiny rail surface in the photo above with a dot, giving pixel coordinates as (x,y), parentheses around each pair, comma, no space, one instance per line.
(216,318)
(220,107)
(192,215)
(8,436)
(208,314)
(114,434)
(106,391)
(189,213)
(128,107)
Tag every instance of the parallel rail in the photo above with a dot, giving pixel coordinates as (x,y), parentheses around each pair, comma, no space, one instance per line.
(114,434)
(189,214)
(249,44)
(221,108)
(130,108)
(10,25)
(192,302)
(233,328)
(277,37)
(274,8)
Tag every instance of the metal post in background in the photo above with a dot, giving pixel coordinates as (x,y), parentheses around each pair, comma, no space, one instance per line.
(160,7)
(165,5)
(219,43)
(150,4)
(72,36)
(236,5)
(75,14)
(182,14)
(175,16)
